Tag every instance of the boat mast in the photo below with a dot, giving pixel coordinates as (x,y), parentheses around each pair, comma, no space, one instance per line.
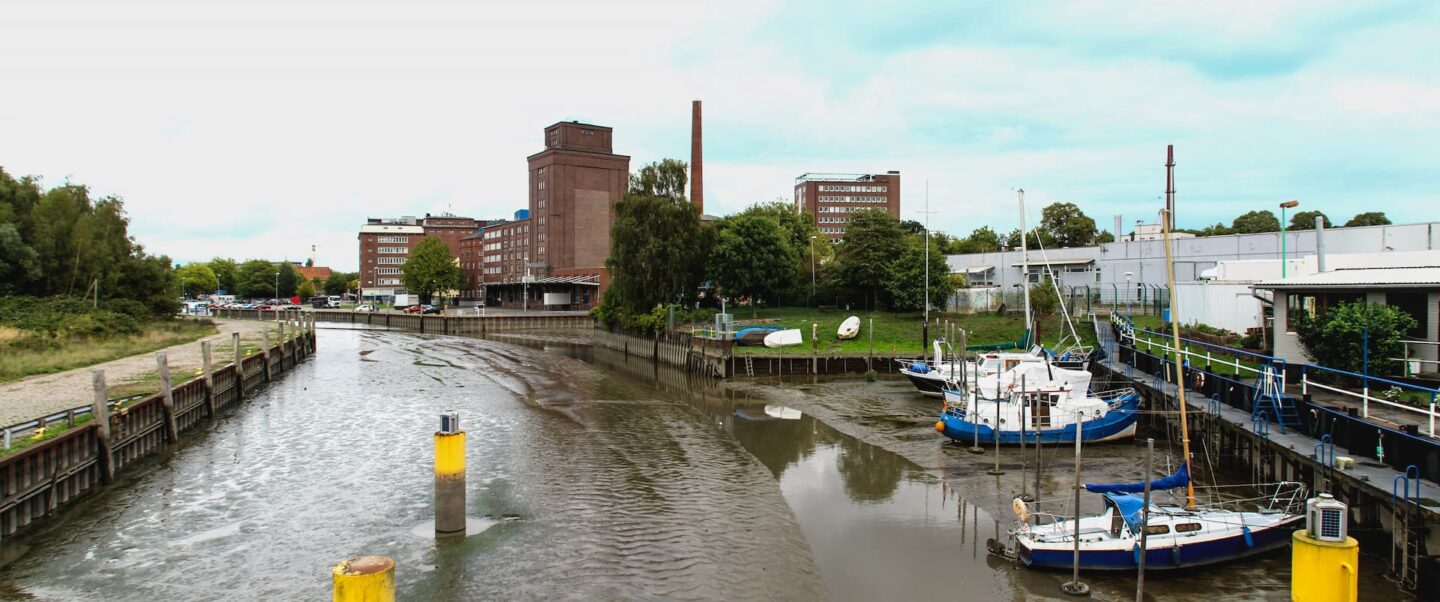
(1175,335)
(1025,269)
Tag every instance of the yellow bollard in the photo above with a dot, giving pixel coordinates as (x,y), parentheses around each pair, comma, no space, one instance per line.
(364,579)
(1323,570)
(450,478)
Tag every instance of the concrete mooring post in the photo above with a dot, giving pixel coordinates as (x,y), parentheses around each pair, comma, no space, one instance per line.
(450,477)
(167,397)
(238,367)
(101,410)
(208,368)
(363,579)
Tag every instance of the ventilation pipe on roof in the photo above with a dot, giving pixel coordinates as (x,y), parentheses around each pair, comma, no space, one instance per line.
(1320,242)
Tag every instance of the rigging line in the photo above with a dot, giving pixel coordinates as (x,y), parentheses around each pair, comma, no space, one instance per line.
(1055,284)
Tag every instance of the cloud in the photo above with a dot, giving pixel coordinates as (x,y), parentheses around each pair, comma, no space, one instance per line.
(260,129)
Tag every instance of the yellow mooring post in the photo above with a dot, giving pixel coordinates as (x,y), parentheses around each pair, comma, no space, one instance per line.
(364,579)
(1324,559)
(450,477)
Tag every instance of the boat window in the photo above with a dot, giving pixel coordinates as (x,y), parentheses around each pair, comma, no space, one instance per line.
(1117,520)
(1011,364)
(1039,411)
(1187,527)
(1157,529)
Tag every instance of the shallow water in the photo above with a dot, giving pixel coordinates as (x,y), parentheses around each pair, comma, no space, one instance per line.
(602,478)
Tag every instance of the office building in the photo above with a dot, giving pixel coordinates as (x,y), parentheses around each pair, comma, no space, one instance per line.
(830,198)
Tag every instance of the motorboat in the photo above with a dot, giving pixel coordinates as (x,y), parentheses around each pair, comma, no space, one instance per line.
(1045,411)
(849,329)
(753,336)
(784,338)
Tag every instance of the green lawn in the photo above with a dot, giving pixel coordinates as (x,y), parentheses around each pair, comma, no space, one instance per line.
(18,362)
(894,333)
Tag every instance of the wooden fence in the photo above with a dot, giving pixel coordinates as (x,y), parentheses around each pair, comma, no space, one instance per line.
(679,349)
(37,480)
(460,325)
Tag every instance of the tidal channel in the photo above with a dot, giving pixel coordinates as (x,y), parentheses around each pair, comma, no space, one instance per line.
(593,476)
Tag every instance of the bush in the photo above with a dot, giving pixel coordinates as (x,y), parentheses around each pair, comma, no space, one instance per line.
(66,317)
(1337,336)
(1254,340)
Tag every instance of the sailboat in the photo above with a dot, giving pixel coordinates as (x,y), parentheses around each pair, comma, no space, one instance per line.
(1176,536)
(1045,402)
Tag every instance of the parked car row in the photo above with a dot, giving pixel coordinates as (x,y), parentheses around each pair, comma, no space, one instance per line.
(272,304)
(411,309)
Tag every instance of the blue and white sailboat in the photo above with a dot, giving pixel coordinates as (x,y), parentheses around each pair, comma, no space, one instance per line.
(1178,537)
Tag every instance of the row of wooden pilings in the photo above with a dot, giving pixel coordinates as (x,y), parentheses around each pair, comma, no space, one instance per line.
(433,324)
(682,350)
(38,480)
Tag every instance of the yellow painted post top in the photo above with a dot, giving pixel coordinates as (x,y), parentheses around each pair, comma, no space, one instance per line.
(1323,570)
(364,579)
(450,453)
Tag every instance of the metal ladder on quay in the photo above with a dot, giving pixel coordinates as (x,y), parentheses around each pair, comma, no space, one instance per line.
(1270,400)
(1407,530)
(750,366)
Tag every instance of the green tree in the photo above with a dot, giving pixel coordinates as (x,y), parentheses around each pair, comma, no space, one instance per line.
(149,280)
(1369,218)
(906,278)
(1036,238)
(196,279)
(19,264)
(1044,300)
(664,179)
(431,269)
(305,291)
(336,284)
(255,279)
(1305,220)
(225,273)
(287,279)
(1336,337)
(911,226)
(1104,237)
(873,239)
(753,256)
(1215,230)
(1068,225)
(1255,222)
(812,250)
(657,246)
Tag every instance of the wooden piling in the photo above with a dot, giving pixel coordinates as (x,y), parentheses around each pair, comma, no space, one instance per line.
(266,349)
(238,367)
(208,369)
(167,397)
(101,410)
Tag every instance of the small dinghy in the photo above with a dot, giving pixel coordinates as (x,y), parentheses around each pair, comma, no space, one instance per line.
(849,329)
(784,338)
(753,336)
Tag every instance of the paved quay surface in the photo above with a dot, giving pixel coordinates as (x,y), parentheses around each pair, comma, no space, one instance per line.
(36,396)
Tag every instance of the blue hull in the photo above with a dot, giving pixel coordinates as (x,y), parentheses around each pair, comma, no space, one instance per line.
(1175,557)
(1115,423)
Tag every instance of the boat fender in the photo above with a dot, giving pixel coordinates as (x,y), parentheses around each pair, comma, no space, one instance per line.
(940,426)
(1136,552)
(919,368)
(1175,555)
(1022,511)
(1249,539)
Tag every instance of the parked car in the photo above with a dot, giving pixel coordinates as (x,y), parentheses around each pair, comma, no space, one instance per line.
(263,306)
(414,309)
(429,309)
(365,307)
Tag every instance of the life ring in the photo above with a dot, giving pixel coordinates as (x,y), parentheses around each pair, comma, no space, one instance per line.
(1022,511)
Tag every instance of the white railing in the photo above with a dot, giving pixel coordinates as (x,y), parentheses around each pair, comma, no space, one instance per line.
(1366,398)
(1209,356)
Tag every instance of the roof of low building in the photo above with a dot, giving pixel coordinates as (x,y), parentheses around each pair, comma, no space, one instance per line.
(1399,277)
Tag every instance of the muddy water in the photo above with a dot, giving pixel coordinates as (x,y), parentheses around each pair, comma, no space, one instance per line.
(594,477)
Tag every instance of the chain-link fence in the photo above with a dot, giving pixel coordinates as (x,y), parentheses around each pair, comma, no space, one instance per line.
(1146,299)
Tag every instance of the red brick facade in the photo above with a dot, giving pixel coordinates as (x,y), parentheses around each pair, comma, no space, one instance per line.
(831,197)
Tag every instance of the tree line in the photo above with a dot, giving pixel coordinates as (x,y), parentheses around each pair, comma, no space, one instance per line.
(662,253)
(260,278)
(66,242)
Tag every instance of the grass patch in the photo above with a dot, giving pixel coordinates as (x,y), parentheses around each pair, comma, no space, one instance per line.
(51,431)
(17,362)
(895,333)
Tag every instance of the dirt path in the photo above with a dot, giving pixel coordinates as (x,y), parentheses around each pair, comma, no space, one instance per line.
(39,395)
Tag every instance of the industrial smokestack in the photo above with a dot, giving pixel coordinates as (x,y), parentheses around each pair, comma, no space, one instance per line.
(1116,231)
(697,159)
(1320,242)
(1169,219)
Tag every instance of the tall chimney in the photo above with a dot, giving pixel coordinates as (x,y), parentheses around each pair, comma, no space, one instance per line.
(1116,231)
(697,159)
(1169,187)
(1320,243)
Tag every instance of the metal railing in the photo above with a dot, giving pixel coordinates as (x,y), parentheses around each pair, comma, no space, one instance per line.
(1213,354)
(67,417)
(1364,396)
(1411,359)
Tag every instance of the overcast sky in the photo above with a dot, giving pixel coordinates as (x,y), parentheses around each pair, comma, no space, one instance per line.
(256,129)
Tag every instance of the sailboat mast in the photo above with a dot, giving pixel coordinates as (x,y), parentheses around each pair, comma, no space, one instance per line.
(1175,335)
(1025,267)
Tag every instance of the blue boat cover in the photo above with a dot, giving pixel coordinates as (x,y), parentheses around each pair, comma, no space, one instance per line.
(1179,479)
(744,331)
(920,368)
(1129,506)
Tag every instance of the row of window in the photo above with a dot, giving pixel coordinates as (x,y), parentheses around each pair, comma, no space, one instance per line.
(832,230)
(842,209)
(393,239)
(832,220)
(852,199)
(834,188)
(389,282)
(387,270)
(392,250)
(391,261)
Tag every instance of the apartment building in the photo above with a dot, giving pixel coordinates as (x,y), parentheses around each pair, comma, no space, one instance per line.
(830,198)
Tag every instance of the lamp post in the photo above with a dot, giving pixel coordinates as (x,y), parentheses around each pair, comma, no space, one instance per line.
(812,271)
(1129,298)
(1291,204)
(277,284)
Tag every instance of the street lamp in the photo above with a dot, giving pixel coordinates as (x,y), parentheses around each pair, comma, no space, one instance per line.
(1291,204)
(1129,298)
(812,270)
(277,284)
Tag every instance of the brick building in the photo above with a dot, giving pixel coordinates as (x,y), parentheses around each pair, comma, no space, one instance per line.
(831,197)
(386,243)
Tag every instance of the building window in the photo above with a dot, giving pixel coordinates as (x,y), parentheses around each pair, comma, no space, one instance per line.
(393,250)
(540,185)
(393,239)
(387,270)
(390,260)
(389,281)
